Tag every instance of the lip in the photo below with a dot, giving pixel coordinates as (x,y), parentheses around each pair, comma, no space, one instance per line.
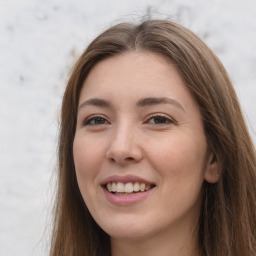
(125,179)
(126,200)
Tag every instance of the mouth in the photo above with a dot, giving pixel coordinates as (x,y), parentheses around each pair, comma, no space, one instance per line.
(129,188)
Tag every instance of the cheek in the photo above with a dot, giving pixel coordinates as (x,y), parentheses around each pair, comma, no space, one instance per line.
(87,158)
(179,156)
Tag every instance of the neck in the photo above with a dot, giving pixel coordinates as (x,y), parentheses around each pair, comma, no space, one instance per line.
(179,243)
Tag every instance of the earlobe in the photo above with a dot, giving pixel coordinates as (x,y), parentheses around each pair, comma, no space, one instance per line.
(212,171)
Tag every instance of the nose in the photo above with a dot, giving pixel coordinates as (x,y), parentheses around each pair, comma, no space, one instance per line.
(124,147)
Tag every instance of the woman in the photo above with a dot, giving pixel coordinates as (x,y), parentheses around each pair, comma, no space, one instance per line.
(154,155)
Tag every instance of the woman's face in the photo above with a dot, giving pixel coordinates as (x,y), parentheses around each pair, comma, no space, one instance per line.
(140,151)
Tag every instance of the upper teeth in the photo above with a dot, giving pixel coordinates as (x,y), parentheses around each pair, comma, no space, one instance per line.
(129,187)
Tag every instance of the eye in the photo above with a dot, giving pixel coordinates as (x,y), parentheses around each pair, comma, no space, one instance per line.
(159,120)
(95,120)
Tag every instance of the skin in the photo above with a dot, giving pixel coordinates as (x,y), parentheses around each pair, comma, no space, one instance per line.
(127,139)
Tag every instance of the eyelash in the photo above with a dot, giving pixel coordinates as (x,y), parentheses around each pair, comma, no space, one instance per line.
(103,121)
(87,121)
(162,117)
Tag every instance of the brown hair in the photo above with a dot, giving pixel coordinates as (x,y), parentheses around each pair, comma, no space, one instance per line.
(228,213)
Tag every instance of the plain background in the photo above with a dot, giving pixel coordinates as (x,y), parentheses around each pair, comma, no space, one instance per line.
(39,42)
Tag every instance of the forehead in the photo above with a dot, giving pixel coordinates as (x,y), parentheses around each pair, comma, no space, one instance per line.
(132,69)
(124,81)
(134,75)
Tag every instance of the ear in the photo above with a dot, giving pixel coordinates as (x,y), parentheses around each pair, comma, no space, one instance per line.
(212,170)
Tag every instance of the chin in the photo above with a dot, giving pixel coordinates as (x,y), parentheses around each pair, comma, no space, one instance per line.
(129,230)
(131,235)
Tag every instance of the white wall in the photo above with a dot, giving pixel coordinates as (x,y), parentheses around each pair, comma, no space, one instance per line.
(39,41)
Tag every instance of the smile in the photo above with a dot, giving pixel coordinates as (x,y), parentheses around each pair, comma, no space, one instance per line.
(127,190)
(120,188)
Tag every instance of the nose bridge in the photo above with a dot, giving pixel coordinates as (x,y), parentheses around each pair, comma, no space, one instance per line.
(123,133)
(123,144)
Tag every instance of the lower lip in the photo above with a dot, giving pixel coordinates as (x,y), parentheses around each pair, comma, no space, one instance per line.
(127,199)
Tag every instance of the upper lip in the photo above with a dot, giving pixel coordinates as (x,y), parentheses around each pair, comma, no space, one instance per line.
(125,179)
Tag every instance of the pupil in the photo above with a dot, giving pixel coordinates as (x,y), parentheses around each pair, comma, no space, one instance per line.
(99,120)
(159,119)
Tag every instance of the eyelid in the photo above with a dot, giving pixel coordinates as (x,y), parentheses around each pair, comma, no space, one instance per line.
(91,117)
(172,120)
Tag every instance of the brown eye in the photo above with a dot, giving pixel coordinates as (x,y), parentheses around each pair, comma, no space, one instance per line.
(160,120)
(97,120)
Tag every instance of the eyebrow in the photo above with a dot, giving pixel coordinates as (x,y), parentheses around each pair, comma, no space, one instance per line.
(151,101)
(95,102)
(155,101)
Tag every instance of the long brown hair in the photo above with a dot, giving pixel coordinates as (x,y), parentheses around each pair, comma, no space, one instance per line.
(228,213)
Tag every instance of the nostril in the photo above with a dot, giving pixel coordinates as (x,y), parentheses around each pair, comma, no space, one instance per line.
(129,158)
(111,159)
